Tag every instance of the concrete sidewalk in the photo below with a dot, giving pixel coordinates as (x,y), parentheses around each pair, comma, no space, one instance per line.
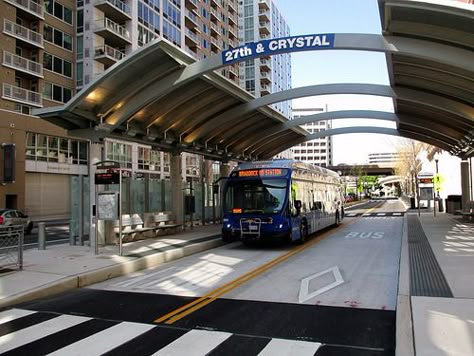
(445,326)
(62,267)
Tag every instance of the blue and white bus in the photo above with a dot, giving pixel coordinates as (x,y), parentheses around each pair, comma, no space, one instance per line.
(280,199)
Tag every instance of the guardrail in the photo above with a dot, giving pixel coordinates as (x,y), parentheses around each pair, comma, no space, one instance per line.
(11,247)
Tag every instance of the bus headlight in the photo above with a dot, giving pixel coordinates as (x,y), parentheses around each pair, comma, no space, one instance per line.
(280,226)
(228,226)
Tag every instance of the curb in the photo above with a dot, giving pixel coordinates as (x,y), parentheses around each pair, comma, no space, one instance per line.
(404,344)
(99,275)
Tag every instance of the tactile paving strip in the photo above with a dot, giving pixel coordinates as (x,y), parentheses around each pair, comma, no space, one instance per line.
(426,277)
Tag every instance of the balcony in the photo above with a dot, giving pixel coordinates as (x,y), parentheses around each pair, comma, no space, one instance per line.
(20,95)
(191,51)
(264,16)
(216,3)
(232,33)
(113,33)
(191,4)
(265,65)
(22,64)
(214,30)
(22,33)
(114,9)
(232,18)
(263,5)
(191,39)
(191,18)
(107,55)
(29,7)
(233,71)
(265,90)
(214,15)
(265,77)
(232,7)
(264,29)
(215,44)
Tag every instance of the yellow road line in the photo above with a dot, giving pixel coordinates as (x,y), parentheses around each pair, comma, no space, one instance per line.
(189,308)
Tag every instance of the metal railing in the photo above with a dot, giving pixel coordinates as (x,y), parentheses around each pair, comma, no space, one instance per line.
(117,4)
(30,6)
(110,25)
(23,33)
(23,64)
(192,35)
(22,95)
(109,51)
(11,247)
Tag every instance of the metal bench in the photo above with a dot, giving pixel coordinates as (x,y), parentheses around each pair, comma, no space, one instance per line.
(132,227)
(163,221)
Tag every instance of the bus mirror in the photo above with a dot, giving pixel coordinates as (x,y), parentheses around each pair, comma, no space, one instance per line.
(298,204)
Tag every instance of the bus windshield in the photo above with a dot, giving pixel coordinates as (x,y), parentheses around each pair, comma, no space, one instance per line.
(265,196)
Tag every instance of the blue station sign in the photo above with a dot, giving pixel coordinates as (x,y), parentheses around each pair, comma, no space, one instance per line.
(278,45)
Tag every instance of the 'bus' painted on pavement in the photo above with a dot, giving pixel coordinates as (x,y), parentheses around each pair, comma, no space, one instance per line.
(278,45)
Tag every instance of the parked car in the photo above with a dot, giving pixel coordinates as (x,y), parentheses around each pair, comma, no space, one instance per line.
(10,217)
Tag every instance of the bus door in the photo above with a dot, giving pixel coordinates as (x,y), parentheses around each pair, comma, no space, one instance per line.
(317,213)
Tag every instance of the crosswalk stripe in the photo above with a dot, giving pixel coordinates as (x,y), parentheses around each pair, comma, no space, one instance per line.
(194,343)
(38,331)
(277,347)
(105,340)
(381,214)
(13,314)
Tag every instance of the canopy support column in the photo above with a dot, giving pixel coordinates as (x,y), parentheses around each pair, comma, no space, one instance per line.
(176,177)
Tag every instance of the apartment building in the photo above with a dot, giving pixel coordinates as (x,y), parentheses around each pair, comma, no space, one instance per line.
(259,20)
(37,70)
(318,151)
(109,30)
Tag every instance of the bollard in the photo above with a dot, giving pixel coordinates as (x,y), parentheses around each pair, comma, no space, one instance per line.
(72,240)
(41,236)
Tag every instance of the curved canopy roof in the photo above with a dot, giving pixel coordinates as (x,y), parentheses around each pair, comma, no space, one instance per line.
(161,96)
(449,23)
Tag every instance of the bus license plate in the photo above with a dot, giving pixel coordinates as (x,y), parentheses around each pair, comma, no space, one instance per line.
(253,227)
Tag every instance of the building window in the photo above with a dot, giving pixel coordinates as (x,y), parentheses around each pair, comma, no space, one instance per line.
(57,65)
(120,152)
(56,93)
(58,10)
(58,37)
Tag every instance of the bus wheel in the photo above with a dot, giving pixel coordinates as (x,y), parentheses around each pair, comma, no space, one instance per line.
(303,233)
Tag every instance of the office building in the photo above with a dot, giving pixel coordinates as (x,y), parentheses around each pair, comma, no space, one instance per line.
(317,151)
(385,158)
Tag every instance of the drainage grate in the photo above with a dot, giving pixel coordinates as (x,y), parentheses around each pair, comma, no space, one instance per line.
(426,277)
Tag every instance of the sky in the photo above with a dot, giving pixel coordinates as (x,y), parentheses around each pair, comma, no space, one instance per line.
(337,66)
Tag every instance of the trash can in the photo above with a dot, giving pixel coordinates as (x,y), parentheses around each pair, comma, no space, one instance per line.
(412,203)
(440,205)
(453,203)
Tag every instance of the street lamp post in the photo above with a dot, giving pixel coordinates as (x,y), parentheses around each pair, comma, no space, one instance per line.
(440,204)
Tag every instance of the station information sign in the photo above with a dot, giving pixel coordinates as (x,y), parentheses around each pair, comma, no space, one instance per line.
(425,180)
(278,45)
(262,172)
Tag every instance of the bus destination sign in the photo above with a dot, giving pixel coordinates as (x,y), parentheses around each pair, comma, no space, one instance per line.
(278,45)
(264,172)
